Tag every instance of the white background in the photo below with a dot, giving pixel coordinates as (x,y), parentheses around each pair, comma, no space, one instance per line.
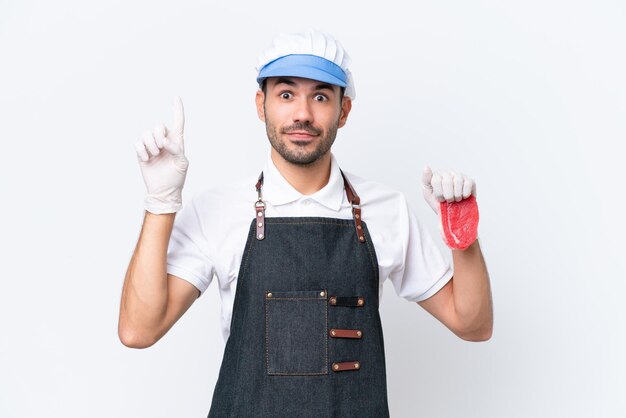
(528,98)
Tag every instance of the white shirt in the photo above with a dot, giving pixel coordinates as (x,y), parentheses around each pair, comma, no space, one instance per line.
(210,233)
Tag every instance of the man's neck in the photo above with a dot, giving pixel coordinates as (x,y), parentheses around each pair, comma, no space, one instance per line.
(307,179)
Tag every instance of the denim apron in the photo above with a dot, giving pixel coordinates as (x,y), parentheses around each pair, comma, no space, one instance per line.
(305,337)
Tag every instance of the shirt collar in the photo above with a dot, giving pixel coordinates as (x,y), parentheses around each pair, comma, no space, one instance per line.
(278,191)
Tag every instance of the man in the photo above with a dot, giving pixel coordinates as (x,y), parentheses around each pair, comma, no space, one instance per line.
(301,257)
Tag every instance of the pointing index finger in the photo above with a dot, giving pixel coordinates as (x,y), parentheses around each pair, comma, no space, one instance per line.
(179,118)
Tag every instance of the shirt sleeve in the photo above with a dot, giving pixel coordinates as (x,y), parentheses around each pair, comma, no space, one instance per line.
(423,270)
(187,255)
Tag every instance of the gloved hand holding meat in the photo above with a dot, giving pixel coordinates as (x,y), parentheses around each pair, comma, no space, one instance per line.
(453,197)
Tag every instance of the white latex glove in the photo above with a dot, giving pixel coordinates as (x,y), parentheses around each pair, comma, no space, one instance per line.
(445,186)
(161,155)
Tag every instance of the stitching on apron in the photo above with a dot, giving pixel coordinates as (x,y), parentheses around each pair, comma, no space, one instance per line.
(245,267)
(324,337)
(267,337)
(297,374)
(369,250)
(235,405)
(306,223)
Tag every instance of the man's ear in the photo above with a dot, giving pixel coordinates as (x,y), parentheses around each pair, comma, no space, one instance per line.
(346,107)
(260,108)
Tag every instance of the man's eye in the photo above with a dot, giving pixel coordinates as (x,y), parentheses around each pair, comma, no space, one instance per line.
(320,98)
(285,95)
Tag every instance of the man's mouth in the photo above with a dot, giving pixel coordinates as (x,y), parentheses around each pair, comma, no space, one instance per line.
(302,135)
(301,131)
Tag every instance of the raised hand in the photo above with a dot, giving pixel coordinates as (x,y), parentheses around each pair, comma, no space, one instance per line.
(453,198)
(161,156)
(445,186)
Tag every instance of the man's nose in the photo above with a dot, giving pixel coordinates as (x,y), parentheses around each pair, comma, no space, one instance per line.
(302,111)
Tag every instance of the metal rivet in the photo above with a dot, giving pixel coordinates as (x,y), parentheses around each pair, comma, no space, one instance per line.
(357,365)
(260,224)
(259,214)
(361,238)
(361,301)
(335,366)
(359,333)
(333,332)
(333,300)
(358,226)
(269,295)
(322,293)
(260,236)
(357,216)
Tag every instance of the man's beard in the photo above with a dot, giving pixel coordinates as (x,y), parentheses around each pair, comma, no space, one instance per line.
(299,156)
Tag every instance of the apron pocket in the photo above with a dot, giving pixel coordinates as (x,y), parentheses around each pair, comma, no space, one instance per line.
(296,324)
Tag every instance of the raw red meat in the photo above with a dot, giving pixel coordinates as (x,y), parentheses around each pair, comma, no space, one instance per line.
(459,222)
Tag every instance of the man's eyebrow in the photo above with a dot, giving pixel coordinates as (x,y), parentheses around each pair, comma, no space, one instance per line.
(324,86)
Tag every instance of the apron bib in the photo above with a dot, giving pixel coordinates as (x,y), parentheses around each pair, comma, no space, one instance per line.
(305,337)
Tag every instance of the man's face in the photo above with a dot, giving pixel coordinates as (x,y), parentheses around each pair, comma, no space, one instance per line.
(301,117)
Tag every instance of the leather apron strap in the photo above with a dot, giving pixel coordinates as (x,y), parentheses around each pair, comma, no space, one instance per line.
(353,198)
